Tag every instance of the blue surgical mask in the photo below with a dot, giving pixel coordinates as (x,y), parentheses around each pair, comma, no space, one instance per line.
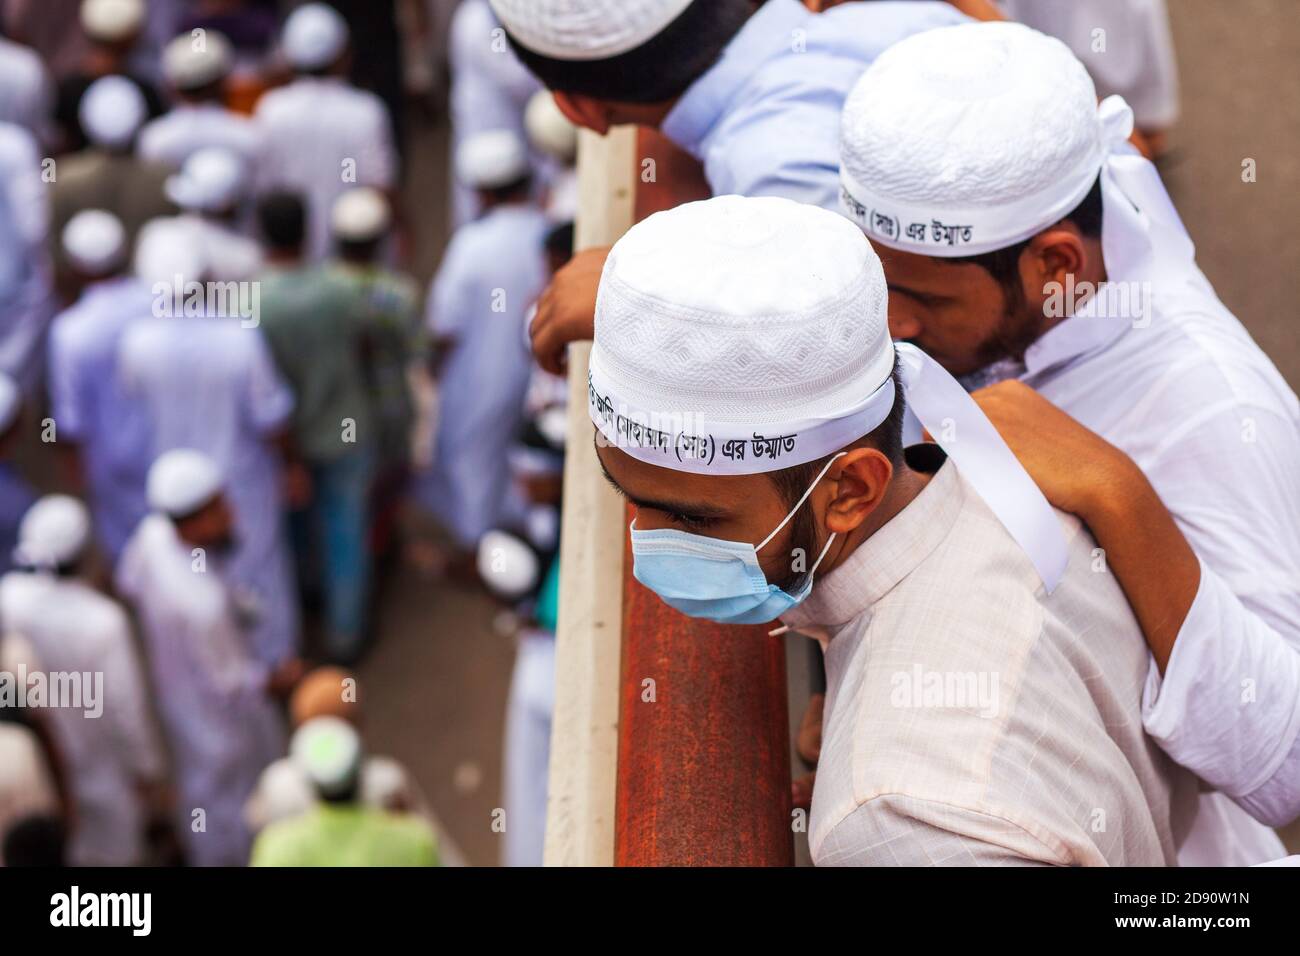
(715,579)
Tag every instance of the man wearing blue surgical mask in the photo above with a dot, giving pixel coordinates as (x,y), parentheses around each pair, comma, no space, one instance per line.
(748,400)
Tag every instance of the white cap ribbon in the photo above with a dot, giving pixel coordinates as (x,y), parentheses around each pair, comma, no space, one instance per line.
(961,429)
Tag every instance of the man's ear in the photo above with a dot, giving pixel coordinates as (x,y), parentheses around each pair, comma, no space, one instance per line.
(1049,259)
(861,478)
(583,111)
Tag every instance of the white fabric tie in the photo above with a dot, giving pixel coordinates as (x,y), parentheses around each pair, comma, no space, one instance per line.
(961,429)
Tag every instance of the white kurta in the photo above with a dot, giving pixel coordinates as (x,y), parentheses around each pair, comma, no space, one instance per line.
(189,127)
(493,271)
(490,87)
(75,629)
(320,137)
(26,290)
(1216,429)
(221,726)
(210,384)
(89,408)
(970,718)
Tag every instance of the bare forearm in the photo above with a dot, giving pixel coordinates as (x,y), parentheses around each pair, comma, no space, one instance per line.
(1149,556)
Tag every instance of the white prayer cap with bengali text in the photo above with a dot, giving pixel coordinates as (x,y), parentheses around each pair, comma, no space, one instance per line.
(315,35)
(740,336)
(111,111)
(212,179)
(967,139)
(586,29)
(181,481)
(492,159)
(94,241)
(360,215)
(549,130)
(192,61)
(328,751)
(111,20)
(53,532)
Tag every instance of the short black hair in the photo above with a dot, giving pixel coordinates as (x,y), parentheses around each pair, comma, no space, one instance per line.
(887,438)
(1004,264)
(511,192)
(559,241)
(282,216)
(659,69)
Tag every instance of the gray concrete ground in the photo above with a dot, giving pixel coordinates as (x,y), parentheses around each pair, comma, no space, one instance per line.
(437,681)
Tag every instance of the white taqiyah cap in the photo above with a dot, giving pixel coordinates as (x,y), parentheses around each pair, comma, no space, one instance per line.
(111,111)
(549,130)
(507,565)
(53,532)
(328,750)
(211,179)
(966,139)
(746,335)
(197,59)
(586,29)
(492,159)
(740,335)
(360,215)
(110,20)
(181,481)
(315,35)
(94,241)
(11,402)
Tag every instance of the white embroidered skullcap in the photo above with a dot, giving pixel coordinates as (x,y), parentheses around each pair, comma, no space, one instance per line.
(549,130)
(194,60)
(170,249)
(181,481)
(740,335)
(111,111)
(110,20)
(94,241)
(11,402)
(314,36)
(966,139)
(492,159)
(53,532)
(586,29)
(211,179)
(360,215)
(506,565)
(328,750)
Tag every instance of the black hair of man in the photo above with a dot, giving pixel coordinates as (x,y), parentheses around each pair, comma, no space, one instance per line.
(35,841)
(791,483)
(559,242)
(517,191)
(282,216)
(660,69)
(1004,264)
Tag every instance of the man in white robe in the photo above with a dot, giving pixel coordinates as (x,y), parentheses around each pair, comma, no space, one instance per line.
(207,381)
(1023,238)
(221,725)
(982,680)
(109,743)
(321,135)
(103,432)
(492,272)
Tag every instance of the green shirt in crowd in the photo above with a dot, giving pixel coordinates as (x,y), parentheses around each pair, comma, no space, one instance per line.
(315,330)
(349,834)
